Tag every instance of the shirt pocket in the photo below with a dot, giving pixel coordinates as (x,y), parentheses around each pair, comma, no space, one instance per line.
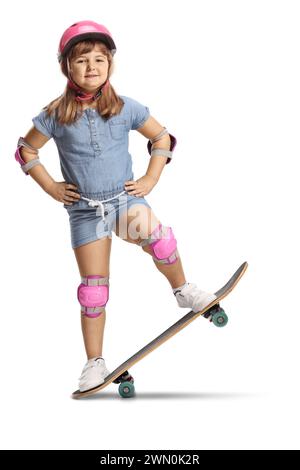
(117,127)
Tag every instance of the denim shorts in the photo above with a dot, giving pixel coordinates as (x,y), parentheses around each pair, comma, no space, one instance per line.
(88,225)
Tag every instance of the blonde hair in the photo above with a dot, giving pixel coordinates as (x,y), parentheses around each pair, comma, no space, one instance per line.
(66,109)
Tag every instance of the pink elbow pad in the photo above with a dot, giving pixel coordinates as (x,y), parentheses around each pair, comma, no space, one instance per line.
(19,158)
(26,166)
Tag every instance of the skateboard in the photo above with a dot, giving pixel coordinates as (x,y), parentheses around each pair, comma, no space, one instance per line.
(212,312)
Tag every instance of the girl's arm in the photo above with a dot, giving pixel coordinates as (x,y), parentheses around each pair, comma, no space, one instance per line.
(150,129)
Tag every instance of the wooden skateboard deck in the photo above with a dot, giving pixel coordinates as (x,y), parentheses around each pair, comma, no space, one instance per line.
(212,311)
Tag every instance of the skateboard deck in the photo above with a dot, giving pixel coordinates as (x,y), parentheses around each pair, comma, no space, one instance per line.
(212,311)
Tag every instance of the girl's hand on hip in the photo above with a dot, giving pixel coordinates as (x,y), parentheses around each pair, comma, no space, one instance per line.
(64,192)
(140,187)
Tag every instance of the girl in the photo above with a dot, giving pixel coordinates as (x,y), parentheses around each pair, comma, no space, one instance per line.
(90,124)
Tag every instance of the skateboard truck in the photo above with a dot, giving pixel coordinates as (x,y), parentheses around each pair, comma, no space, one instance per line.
(217,315)
(126,387)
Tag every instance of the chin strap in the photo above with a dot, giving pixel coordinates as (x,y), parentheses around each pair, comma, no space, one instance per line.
(82,96)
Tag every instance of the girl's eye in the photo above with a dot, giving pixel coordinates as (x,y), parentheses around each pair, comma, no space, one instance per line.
(80,61)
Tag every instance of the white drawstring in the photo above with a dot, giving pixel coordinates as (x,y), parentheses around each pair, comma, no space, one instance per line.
(96,203)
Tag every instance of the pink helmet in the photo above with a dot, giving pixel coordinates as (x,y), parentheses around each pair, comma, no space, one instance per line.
(81,31)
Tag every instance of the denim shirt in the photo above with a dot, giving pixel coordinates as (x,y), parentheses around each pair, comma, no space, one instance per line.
(93,152)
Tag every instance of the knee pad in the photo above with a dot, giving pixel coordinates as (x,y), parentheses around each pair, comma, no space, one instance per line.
(93,294)
(163,245)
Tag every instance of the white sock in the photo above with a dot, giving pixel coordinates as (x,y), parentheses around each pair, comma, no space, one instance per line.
(95,358)
(180,287)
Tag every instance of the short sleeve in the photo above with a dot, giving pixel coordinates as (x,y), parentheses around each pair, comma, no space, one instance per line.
(139,114)
(45,124)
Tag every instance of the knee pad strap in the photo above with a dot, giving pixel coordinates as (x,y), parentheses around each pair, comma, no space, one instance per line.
(93,295)
(163,245)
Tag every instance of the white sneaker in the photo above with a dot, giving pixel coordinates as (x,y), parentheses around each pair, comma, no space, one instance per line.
(192,297)
(93,374)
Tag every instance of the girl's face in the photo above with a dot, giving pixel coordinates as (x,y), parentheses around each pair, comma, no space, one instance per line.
(90,70)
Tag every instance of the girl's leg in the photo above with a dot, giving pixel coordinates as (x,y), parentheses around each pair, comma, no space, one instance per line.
(173,272)
(140,223)
(93,258)
(137,224)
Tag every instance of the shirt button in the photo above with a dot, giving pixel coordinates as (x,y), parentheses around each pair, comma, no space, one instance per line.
(92,120)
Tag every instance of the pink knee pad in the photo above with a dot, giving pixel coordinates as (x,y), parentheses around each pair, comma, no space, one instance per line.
(163,245)
(93,294)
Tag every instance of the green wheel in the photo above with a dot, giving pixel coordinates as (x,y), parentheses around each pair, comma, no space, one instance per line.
(220,318)
(126,389)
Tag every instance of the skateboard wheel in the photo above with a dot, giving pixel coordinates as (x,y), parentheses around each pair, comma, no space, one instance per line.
(220,318)
(126,389)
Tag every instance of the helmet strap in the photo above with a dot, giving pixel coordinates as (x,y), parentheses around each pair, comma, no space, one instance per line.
(83,96)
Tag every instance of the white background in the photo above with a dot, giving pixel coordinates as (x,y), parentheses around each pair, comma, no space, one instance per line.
(223,76)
